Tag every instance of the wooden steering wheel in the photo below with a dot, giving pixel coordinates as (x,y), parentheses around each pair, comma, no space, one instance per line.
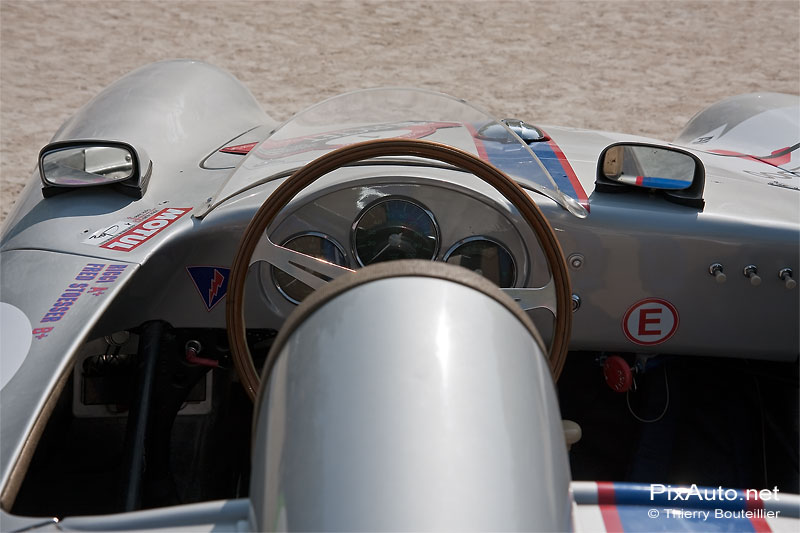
(255,245)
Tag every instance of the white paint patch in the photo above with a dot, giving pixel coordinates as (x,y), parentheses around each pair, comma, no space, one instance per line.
(15,341)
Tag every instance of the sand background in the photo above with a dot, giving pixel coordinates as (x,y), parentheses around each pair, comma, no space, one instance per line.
(642,67)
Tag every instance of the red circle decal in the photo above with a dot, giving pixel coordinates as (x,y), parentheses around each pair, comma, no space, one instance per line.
(650,321)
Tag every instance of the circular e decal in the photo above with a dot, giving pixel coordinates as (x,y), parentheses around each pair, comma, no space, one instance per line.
(650,321)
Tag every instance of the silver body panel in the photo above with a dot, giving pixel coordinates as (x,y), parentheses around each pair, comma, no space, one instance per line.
(81,288)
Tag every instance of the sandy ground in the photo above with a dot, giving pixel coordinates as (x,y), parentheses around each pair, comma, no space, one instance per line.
(641,67)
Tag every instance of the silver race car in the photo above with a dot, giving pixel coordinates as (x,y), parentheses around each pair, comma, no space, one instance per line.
(397,312)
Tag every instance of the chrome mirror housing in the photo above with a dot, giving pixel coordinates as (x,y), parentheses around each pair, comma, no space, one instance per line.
(69,165)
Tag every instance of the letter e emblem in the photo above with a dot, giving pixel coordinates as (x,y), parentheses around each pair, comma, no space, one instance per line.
(650,321)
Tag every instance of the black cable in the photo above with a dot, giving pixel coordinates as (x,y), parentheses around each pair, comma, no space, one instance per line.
(139,415)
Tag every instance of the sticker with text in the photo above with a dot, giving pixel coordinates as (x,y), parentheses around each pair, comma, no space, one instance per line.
(94,279)
(127,235)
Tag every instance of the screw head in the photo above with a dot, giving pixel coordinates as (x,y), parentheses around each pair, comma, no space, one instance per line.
(576,261)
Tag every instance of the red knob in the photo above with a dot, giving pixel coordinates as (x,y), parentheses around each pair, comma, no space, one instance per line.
(617,373)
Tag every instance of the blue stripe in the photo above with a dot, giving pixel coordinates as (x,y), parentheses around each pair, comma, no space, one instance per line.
(514,160)
(554,166)
(636,518)
(664,183)
(696,498)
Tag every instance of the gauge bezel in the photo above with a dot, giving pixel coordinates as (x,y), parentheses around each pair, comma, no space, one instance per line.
(367,208)
(319,234)
(474,238)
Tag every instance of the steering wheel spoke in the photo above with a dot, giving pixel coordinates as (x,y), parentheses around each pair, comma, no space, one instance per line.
(529,298)
(307,269)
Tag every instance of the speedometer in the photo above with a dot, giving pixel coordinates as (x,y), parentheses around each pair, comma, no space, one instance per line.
(394,228)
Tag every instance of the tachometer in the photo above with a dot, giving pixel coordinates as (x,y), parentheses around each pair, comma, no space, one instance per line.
(394,228)
(486,257)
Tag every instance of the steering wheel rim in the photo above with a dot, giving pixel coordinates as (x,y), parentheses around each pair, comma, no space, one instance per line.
(308,174)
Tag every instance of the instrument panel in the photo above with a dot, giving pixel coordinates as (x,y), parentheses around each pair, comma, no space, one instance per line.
(358,226)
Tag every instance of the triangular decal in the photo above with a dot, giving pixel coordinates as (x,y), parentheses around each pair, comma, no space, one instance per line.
(211,282)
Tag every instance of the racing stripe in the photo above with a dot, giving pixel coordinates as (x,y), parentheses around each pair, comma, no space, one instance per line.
(558,166)
(549,154)
(777,158)
(608,508)
(759,522)
(479,145)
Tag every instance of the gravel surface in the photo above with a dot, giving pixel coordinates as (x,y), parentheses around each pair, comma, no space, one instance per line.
(642,67)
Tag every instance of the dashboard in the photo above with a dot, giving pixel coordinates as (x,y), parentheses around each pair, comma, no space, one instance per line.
(383,219)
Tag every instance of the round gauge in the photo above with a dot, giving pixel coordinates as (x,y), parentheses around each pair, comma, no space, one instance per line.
(315,245)
(486,257)
(394,228)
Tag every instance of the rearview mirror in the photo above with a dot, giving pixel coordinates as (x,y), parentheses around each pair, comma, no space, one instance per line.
(649,166)
(65,166)
(676,172)
(86,166)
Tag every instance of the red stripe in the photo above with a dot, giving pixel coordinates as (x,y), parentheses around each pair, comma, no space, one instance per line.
(576,184)
(478,142)
(639,180)
(608,508)
(759,523)
(775,158)
(754,504)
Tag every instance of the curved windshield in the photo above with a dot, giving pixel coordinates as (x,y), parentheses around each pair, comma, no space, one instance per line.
(393,113)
